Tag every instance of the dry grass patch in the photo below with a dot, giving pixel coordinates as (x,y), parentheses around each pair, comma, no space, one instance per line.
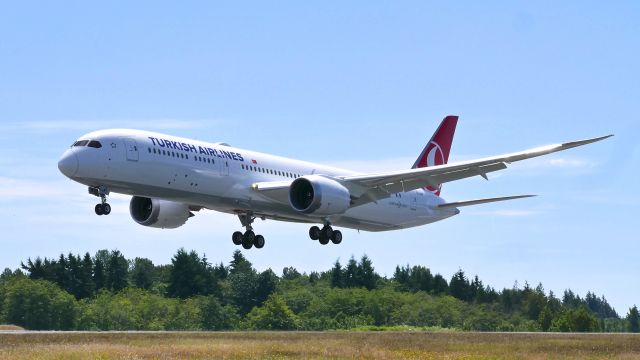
(10,328)
(317,345)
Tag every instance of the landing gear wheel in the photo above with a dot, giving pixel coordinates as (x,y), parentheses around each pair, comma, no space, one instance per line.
(99,210)
(237,238)
(247,239)
(106,209)
(314,233)
(336,237)
(258,241)
(327,232)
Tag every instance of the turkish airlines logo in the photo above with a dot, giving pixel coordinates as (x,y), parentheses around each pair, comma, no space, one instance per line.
(434,157)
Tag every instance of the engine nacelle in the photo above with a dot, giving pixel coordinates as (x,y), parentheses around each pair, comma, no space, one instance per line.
(158,213)
(318,195)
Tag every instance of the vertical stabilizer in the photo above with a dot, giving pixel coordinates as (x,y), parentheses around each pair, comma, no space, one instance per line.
(436,152)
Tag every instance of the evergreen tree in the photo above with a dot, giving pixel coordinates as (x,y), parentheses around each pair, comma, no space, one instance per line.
(290,273)
(61,274)
(440,285)
(336,275)
(420,279)
(86,285)
(366,275)
(99,280)
(142,271)
(459,286)
(350,277)
(266,285)
(188,275)
(239,263)
(633,320)
(117,271)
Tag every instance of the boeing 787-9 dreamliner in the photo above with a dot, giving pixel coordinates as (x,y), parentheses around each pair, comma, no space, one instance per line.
(170,178)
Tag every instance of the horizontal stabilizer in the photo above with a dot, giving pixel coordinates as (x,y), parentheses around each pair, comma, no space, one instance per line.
(481,201)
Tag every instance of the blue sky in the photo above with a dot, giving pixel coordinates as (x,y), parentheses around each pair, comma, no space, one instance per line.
(359,85)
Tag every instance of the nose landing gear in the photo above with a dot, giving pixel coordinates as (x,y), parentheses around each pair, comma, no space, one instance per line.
(103,208)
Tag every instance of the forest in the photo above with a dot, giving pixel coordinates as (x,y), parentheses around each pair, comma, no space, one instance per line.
(107,291)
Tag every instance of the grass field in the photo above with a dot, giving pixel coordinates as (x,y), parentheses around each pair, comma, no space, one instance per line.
(316,345)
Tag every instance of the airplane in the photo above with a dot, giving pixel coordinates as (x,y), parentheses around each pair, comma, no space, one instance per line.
(170,178)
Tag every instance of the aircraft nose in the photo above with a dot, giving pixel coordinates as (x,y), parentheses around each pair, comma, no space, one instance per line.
(68,165)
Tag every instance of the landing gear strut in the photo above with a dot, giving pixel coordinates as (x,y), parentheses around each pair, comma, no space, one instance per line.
(249,239)
(325,234)
(103,208)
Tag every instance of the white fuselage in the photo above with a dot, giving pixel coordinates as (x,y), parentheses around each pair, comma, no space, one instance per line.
(220,177)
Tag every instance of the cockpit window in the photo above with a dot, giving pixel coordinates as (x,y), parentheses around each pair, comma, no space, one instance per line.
(81,143)
(95,144)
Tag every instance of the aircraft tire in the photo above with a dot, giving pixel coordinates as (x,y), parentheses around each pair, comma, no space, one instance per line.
(336,237)
(326,232)
(258,241)
(314,233)
(247,239)
(99,210)
(323,240)
(237,238)
(106,209)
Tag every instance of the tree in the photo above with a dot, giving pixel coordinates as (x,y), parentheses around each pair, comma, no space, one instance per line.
(336,275)
(239,263)
(459,286)
(366,274)
(290,273)
(117,270)
(142,271)
(350,277)
(273,315)
(215,316)
(99,280)
(633,320)
(440,285)
(266,285)
(189,275)
(39,305)
(86,285)
(545,318)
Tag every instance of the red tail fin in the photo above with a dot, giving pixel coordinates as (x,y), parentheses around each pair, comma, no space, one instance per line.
(436,152)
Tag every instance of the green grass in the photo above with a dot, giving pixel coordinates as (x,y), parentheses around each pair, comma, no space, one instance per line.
(317,345)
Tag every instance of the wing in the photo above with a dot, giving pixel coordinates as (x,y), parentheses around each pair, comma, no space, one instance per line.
(372,187)
(367,188)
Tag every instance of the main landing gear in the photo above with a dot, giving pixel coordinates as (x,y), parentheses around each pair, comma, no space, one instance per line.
(249,239)
(325,235)
(103,208)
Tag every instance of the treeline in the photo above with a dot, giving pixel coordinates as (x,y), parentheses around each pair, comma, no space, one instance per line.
(107,291)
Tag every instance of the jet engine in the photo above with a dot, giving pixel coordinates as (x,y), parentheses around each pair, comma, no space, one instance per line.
(158,213)
(318,195)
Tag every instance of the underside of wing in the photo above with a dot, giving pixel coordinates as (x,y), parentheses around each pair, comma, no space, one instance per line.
(458,204)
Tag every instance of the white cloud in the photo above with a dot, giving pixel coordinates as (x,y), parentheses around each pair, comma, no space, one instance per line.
(556,163)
